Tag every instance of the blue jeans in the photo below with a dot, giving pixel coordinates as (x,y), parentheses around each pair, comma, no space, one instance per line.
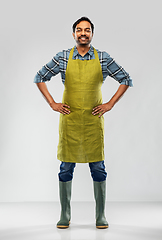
(97,169)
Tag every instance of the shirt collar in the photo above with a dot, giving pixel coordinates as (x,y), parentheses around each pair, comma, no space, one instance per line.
(90,52)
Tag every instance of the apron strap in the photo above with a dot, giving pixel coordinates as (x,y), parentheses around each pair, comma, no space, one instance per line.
(71,53)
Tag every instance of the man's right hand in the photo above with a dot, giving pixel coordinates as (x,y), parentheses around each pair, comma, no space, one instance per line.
(60,107)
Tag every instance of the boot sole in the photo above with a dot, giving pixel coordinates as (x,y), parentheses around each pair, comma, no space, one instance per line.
(102,227)
(62,226)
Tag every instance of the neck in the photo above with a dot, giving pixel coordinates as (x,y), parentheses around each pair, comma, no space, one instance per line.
(83,49)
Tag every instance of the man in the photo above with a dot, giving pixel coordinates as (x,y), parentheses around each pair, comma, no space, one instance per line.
(81,139)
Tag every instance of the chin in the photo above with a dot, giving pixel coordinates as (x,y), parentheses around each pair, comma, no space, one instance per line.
(83,43)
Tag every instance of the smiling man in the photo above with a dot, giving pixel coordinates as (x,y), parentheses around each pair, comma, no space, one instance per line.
(81,130)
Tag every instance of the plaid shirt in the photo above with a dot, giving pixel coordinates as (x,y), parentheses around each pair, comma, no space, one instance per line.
(59,62)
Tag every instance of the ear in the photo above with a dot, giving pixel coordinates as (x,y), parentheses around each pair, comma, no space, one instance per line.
(73,35)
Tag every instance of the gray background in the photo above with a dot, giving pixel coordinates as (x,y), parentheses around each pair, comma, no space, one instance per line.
(32,32)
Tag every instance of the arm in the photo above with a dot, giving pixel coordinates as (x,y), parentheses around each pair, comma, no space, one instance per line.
(59,107)
(114,70)
(45,74)
(109,105)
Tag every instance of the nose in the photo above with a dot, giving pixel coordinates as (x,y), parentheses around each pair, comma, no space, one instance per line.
(83,32)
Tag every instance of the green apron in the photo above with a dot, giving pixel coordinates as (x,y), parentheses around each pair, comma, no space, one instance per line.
(81,134)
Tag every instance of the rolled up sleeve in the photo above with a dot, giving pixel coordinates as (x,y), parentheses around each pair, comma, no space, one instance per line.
(117,72)
(48,71)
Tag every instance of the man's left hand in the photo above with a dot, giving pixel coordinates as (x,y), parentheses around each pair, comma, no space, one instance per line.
(102,109)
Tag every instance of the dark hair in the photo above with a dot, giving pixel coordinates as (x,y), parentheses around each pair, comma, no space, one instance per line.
(80,20)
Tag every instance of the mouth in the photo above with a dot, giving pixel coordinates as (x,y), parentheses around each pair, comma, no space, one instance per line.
(83,38)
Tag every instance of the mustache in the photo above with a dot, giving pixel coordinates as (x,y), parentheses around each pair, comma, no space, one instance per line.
(83,36)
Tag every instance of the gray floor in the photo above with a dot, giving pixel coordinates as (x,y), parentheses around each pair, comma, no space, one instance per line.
(37,221)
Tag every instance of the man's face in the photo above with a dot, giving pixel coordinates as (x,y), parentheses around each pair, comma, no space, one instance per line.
(83,33)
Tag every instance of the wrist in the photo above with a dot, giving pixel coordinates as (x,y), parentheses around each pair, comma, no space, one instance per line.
(51,103)
(111,103)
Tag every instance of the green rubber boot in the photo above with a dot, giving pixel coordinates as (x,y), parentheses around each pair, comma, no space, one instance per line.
(100,196)
(65,197)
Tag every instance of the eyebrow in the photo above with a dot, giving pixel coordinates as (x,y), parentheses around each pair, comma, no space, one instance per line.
(81,28)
